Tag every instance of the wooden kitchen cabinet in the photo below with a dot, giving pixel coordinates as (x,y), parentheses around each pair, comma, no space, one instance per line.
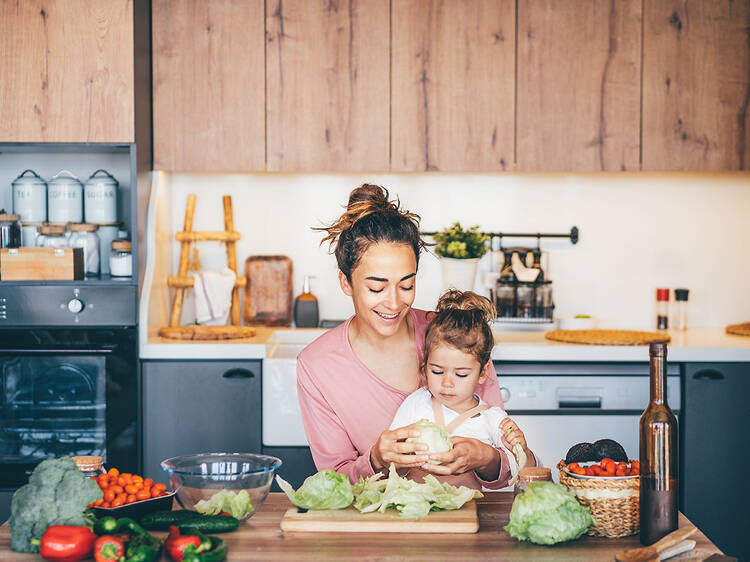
(578,85)
(327,72)
(208,85)
(453,85)
(696,85)
(66,71)
(199,407)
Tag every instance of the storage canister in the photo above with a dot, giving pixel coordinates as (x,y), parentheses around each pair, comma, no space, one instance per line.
(51,236)
(107,233)
(29,232)
(84,236)
(121,259)
(10,230)
(64,198)
(30,197)
(100,198)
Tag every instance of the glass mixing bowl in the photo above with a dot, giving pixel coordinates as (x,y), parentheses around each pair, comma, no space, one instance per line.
(199,477)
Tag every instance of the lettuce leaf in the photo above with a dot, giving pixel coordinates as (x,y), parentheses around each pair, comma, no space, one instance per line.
(325,490)
(435,436)
(236,503)
(547,513)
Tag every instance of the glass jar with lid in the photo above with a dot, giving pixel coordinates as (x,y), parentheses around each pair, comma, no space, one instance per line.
(121,259)
(10,230)
(52,236)
(90,465)
(84,236)
(529,474)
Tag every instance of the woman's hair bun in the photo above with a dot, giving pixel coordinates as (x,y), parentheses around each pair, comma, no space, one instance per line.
(453,299)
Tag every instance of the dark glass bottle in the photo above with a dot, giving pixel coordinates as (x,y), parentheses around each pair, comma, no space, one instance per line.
(658,452)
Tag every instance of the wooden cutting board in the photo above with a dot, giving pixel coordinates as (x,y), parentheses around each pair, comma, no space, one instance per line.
(350,520)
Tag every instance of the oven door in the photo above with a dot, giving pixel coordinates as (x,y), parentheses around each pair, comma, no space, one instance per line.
(66,392)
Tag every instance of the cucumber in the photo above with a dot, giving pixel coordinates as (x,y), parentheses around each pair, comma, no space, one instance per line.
(210,524)
(161,520)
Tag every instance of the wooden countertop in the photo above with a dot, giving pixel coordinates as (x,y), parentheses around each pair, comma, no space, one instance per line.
(261,539)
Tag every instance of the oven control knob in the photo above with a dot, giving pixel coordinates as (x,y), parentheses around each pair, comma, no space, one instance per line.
(75,305)
(504,394)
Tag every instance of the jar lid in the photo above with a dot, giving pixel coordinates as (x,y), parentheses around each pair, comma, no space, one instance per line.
(662,294)
(122,245)
(83,227)
(32,224)
(64,177)
(108,223)
(534,474)
(681,294)
(7,217)
(87,463)
(105,179)
(51,229)
(33,179)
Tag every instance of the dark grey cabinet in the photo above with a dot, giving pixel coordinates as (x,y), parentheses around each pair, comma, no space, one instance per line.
(199,407)
(716,453)
(297,464)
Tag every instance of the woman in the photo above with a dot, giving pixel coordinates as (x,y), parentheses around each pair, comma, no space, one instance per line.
(352,379)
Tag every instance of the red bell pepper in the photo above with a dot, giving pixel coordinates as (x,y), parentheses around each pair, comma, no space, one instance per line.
(176,543)
(108,547)
(66,543)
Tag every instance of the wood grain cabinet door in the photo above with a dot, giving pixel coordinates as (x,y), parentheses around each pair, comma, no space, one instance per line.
(578,97)
(327,70)
(696,85)
(453,85)
(66,71)
(208,85)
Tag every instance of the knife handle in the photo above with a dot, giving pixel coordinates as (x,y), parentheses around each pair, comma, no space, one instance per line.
(673,538)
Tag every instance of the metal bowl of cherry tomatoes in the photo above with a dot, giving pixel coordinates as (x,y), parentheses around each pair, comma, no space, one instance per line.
(130,495)
(606,468)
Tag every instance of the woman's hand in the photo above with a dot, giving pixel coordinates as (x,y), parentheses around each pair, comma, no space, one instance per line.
(391,447)
(467,454)
(512,435)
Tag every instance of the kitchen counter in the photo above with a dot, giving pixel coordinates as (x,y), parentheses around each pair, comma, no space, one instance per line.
(261,539)
(694,345)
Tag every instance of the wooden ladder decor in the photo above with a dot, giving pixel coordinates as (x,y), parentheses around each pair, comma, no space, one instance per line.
(182,281)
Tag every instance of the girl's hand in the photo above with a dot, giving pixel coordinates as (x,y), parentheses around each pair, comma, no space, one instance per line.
(512,435)
(391,447)
(467,454)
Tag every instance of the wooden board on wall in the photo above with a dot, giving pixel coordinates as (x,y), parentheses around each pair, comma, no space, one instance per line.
(66,71)
(578,101)
(327,70)
(696,85)
(453,85)
(208,85)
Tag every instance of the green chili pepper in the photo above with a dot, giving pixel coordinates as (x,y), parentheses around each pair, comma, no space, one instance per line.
(216,553)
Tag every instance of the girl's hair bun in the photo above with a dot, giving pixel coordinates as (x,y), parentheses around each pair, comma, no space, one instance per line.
(453,299)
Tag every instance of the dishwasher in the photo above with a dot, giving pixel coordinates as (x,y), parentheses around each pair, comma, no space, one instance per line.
(557,405)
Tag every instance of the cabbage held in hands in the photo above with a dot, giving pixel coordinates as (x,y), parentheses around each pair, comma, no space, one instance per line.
(435,436)
(547,513)
(325,490)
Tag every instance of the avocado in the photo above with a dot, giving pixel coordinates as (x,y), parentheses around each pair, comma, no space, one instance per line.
(611,449)
(581,452)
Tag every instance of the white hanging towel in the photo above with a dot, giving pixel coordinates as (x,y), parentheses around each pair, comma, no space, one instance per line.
(213,296)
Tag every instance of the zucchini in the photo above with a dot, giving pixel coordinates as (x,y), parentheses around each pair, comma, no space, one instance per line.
(209,524)
(161,520)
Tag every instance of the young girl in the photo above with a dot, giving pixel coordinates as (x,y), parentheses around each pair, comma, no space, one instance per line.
(458,343)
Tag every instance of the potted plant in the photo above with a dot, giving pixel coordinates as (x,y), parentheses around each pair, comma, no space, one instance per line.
(459,250)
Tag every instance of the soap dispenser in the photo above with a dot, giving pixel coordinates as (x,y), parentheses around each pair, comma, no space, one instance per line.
(306,307)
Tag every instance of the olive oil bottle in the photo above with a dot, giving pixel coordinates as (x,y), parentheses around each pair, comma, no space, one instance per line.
(658,452)
(306,307)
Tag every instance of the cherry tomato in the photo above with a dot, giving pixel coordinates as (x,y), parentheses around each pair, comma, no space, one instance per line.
(160,486)
(147,482)
(143,494)
(118,501)
(131,489)
(113,472)
(155,492)
(117,489)
(109,495)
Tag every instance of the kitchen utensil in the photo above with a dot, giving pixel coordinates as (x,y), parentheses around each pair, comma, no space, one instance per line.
(677,549)
(30,197)
(738,329)
(647,553)
(350,520)
(100,198)
(198,477)
(64,198)
(41,264)
(29,231)
(137,509)
(585,477)
(268,292)
(607,337)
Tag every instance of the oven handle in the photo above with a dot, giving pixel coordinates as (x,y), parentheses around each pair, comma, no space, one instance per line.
(588,402)
(48,351)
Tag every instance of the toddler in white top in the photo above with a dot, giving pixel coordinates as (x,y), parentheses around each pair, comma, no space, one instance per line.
(458,343)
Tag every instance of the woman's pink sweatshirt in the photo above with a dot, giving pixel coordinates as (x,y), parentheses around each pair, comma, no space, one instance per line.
(345,407)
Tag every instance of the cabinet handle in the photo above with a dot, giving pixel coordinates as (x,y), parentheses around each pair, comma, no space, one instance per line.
(710,374)
(238,374)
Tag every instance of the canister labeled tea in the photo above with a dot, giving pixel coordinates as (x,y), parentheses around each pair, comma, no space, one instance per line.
(30,197)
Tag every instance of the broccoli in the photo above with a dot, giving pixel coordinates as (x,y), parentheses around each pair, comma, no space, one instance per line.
(57,494)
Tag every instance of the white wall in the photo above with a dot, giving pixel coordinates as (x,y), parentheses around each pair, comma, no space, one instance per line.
(638,231)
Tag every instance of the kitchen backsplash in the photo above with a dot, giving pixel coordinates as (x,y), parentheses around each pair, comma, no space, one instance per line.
(638,231)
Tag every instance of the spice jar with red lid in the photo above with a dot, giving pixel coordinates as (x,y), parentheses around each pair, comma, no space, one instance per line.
(662,309)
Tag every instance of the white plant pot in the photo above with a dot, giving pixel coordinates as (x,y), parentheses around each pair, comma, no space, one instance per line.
(459,273)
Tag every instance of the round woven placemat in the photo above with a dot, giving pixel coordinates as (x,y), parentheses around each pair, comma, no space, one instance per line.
(739,329)
(607,337)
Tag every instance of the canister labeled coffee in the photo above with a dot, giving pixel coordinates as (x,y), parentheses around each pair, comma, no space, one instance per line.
(65,198)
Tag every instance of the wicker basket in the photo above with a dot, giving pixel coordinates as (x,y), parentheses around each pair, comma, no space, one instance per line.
(613,503)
